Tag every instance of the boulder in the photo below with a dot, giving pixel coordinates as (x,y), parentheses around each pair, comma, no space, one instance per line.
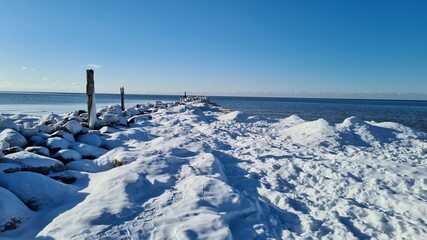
(37,141)
(13,137)
(8,124)
(10,167)
(45,128)
(49,118)
(4,145)
(34,162)
(38,150)
(11,150)
(57,143)
(88,151)
(65,177)
(29,132)
(83,166)
(91,139)
(35,190)
(67,155)
(107,129)
(13,211)
(73,126)
(109,118)
(65,135)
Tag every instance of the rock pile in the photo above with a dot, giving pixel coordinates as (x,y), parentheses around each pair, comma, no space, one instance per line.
(51,147)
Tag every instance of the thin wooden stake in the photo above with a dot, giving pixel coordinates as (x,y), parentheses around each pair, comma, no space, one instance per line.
(90,91)
(122,97)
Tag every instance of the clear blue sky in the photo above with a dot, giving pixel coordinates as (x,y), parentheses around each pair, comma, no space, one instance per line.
(328,48)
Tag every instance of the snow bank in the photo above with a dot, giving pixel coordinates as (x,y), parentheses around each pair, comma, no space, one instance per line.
(191,171)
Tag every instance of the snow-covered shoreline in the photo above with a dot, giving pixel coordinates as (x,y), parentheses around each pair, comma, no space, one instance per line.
(192,171)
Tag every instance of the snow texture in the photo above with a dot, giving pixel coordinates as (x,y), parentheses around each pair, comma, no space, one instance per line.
(192,171)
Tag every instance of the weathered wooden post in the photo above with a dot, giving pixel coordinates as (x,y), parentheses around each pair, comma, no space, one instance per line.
(91,105)
(122,97)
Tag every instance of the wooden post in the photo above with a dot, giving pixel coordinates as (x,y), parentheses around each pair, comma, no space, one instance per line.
(122,97)
(90,92)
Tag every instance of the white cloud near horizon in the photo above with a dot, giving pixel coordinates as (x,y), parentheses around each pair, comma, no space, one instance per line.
(24,67)
(94,65)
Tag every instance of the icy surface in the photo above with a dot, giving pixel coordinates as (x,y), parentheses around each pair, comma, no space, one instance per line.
(194,172)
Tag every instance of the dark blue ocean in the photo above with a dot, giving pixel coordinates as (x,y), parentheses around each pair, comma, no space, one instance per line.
(410,113)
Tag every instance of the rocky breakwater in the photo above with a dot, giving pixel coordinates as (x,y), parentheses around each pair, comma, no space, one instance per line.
(39,157)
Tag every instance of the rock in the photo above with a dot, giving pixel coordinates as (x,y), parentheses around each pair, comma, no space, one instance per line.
(83,166)
(13,211)
(29,132)
(57,143)
(39,150)
(132,111)
(4,145)
(10,167)
(45,128)
(35,163)
(8,124)
(13,137)
(65,177)
(35,190)
(107,129)
(49,118)
(123,121)
(84,130)
(109,118)
(65,135)
(67,155)
(88,151)
(73,127)
(58,126)
(91,139)
(38,141)
(141,118)
(11,150)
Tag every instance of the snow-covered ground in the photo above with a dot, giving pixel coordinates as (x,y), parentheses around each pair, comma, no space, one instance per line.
(196,172)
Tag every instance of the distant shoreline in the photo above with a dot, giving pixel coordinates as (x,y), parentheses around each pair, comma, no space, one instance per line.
(228,96)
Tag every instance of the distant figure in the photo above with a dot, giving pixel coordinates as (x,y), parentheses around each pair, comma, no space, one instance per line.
(185,94)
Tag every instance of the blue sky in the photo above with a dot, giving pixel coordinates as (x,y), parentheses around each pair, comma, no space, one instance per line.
(270,48)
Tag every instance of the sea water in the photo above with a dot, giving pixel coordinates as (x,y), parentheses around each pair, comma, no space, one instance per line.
(410,113)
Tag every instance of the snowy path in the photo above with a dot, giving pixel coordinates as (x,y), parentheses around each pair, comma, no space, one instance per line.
(197,173)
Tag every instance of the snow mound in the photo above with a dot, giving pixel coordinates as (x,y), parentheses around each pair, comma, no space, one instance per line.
(13,211)
(234,116)
(317,132)
(35,190)
(35,163)
(13,137)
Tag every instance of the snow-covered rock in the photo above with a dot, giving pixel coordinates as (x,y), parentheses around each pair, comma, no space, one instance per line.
(35,163)
(29,132)
(38,150)
(45,128)
(83,166)
(88,151)
(37,141)
(73,126)
(107,129)
(67,155)
(35,190)
(13,211)
(3,145)
(91,139)
(65,135)
(13,137)
(49,118)
(8,124)
(10,167)
(57,143)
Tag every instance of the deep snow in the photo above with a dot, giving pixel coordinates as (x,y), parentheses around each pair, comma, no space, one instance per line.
(195,172)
